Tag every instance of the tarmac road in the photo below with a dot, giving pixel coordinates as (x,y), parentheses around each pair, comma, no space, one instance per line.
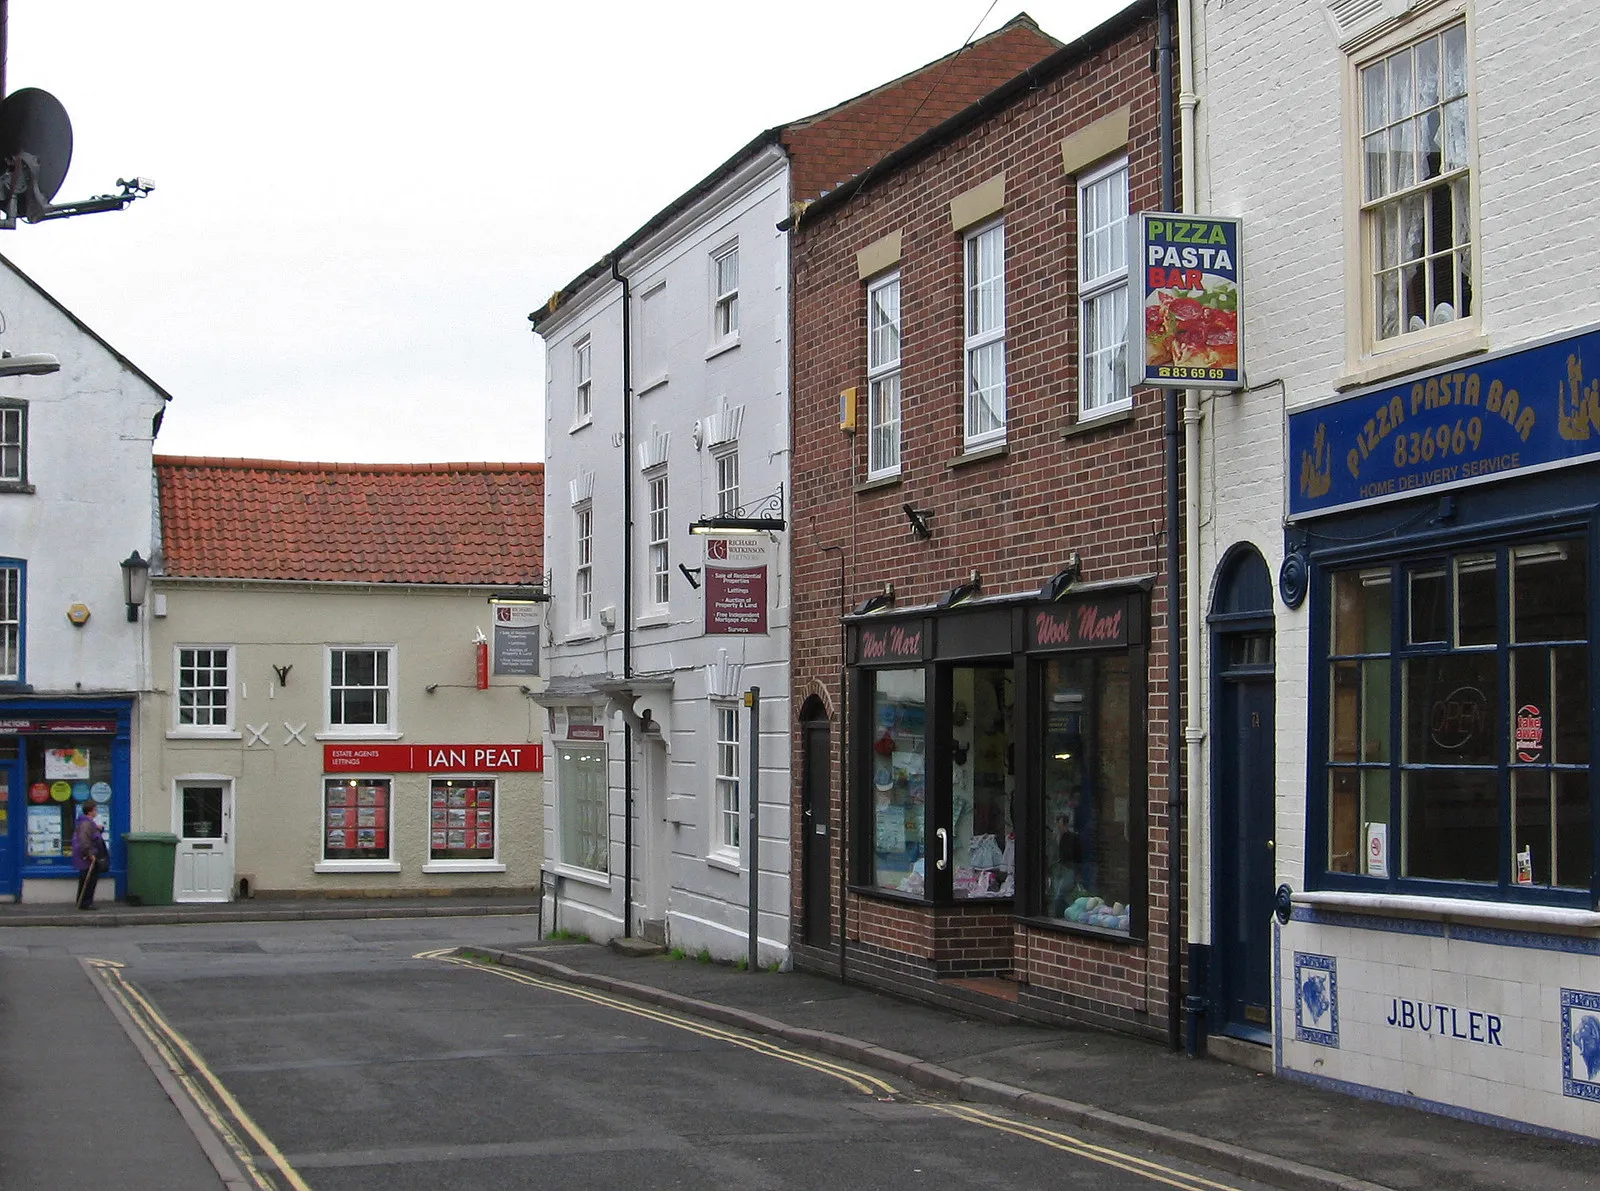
(362,1055)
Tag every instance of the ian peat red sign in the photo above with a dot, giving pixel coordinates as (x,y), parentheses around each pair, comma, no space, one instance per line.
(433,758)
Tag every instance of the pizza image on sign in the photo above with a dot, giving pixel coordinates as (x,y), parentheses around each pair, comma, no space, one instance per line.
(1189,309)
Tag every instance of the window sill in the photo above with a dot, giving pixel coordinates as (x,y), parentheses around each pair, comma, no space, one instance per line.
(1061,926)
(1403,361)
(728,862)
(980,454)
(1450,909)
(726,345)
(375,734)
(179,734)
(19,489)
(582,637)
(584,876)
(655,382)
(580,424)
(876,483)
(1100,420)
(892,895)
(463,866)
(356,866)
(653,620)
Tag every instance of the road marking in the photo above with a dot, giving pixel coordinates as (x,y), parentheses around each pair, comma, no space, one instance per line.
(867,1085)
(1065,1142)
(170,1044)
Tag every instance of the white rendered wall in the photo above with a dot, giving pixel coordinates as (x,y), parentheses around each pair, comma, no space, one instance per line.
(89,448)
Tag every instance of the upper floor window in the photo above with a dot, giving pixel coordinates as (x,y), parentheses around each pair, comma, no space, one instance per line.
(659,586)
(1416,186)
(985,414)
(883,377)
(582,403)
(583,563)
(360,689)
(650,366)
(13,442)
(1103,288)
(728,483)
(204,688)
(11,589)
(725,293)
(727,813)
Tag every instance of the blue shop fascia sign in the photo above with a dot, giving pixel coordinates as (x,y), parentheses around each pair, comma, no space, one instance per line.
(1523,411)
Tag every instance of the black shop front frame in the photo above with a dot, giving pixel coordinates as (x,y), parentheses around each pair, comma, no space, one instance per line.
(999,757)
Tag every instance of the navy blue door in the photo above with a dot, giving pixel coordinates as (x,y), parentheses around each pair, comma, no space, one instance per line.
(1243,852)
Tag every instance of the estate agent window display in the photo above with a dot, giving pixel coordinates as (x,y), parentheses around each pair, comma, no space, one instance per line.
(1017,780)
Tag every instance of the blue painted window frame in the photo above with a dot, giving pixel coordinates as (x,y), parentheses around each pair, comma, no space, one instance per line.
(1394,549)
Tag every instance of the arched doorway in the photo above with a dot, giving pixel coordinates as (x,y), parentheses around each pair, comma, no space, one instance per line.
(816,790)
(1243,763)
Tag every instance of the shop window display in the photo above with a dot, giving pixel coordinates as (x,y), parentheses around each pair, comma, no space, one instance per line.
(461,819)
(1087,791)
(356,818)
(899,780)
(1488,684)
(63,772)
(982,780)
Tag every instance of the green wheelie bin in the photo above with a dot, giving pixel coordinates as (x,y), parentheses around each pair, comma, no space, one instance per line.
(150,860)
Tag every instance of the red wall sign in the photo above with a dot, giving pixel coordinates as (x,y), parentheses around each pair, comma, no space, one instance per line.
(433,758)
(736,585)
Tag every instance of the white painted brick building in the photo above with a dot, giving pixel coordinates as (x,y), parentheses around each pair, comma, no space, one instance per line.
(1433,728)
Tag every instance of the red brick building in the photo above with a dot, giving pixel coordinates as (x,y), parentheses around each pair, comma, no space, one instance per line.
(981,601)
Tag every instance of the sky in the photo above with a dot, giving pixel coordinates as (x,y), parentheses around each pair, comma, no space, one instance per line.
(358,202)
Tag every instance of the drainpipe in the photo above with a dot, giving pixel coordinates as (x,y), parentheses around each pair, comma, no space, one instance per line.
(1199,821)
(627,595)
(1175,898)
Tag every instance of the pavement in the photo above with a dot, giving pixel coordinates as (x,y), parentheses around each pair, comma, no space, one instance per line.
(1119,1088)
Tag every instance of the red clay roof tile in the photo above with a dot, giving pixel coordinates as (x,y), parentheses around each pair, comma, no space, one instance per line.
(477,523)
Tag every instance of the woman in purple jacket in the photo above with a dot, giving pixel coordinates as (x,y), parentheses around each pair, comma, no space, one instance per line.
(88,848)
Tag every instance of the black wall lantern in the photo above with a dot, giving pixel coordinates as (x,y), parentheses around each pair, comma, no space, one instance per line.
(135,583)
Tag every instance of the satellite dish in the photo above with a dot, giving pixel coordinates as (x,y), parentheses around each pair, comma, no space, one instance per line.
(33,122)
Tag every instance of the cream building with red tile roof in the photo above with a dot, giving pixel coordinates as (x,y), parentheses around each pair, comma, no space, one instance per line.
(342,659)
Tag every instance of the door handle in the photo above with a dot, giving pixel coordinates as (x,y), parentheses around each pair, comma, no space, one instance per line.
(944,848)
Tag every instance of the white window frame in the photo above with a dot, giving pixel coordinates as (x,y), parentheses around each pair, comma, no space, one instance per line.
(227,726)
(726,462)
(658,496)
(13,600)
(563,752)
(883,377)
(650,363)
(725,295)
(1100,291)
(582,566)
(475,864)
(727,786)
(582,382)
(13,443)
(390,688)
(379,864)
(1370,356)
(982,341)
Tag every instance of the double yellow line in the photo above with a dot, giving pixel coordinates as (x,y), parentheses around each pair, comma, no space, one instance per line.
(183,1062)
(869,1085)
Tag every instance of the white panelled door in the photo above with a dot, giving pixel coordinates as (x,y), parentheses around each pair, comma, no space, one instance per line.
(204,863)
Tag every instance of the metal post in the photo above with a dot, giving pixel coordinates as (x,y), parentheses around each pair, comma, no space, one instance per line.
(752,700)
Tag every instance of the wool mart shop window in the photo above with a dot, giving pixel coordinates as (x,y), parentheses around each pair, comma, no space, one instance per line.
(1457,696)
